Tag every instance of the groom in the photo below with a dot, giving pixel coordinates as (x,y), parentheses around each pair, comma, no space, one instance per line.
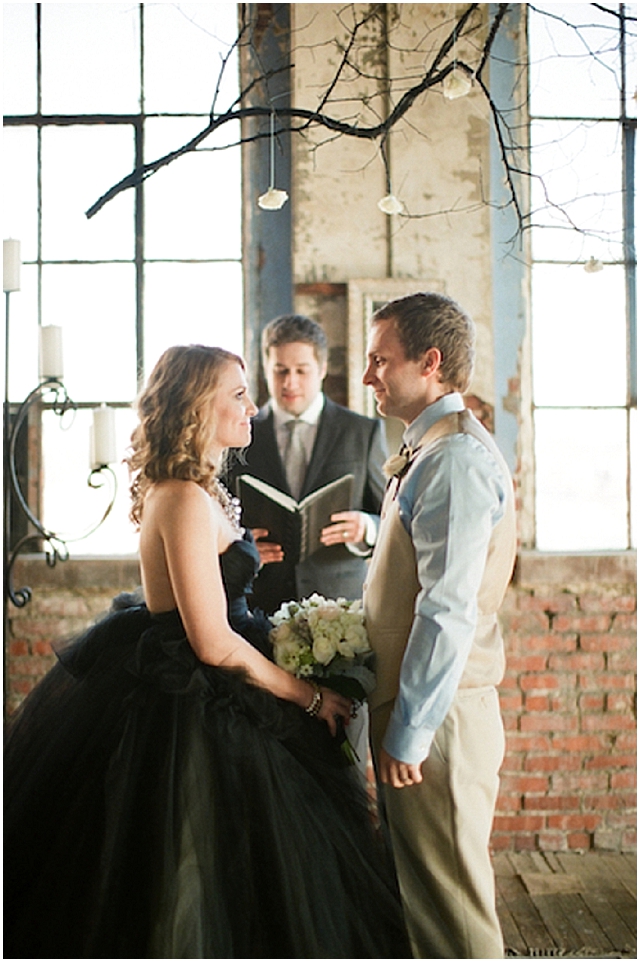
(440,568)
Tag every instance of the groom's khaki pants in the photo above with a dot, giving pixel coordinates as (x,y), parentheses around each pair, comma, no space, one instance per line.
(440,832)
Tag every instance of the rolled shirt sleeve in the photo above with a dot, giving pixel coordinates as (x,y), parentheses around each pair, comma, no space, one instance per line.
(449,503)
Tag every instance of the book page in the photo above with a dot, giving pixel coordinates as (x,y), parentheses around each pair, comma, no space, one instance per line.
(295,526)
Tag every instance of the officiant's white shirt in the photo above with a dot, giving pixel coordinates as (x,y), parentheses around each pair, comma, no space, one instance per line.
(309,425)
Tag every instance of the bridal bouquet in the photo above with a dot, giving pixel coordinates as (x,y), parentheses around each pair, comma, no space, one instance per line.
(325,640)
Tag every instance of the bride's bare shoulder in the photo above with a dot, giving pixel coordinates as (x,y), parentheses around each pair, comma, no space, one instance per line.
(175,495)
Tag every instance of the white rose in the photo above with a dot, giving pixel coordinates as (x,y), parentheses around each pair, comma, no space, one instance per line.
(284,632)
(329,613)
(324,649)
(346,650)
(356,637)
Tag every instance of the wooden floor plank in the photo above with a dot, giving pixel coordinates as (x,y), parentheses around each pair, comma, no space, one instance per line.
(608,899)
(511,934)
(625,871)
(599,872)
(618,932)
(591,934)
(553,913)
(524,914)
(567,903)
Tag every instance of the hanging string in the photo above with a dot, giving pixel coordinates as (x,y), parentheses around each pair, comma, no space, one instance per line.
(272,149)
(273,199)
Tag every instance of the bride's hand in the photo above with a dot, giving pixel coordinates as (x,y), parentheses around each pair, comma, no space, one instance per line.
(334,706)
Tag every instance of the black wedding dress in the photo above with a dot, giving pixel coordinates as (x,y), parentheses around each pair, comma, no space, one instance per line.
(158,807)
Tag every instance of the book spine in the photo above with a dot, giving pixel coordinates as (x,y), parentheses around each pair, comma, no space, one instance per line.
(304,535)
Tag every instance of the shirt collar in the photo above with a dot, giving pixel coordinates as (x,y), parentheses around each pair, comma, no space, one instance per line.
(310,416)
(447,404)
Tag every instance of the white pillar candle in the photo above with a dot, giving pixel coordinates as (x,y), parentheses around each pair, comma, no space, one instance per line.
(11,265)
(51,352)
(103,436)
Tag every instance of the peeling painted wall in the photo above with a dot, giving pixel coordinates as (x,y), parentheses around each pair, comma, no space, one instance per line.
(439,162)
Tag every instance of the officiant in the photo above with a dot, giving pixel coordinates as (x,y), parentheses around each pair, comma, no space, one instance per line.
(302,440)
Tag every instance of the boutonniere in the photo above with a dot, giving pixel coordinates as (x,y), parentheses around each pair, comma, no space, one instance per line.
(396,464)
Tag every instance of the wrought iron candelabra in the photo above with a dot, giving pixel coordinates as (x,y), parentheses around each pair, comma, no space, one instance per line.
(54,546)
(50,390)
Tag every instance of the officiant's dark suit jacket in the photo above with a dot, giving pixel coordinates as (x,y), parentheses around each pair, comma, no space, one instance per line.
(346,443)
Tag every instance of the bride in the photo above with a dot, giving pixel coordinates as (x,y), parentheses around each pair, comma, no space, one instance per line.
(169,791)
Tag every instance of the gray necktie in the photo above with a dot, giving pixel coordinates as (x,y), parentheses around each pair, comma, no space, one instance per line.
(295,457)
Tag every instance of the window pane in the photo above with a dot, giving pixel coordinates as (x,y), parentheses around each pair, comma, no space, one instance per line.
(95,306)
(90,59)
(581,475)
(92,64)
(631,63)
(192,304)
(578,336)
(575,64)
(70,507)
(19,94)
(78,165)
(20,186)
(23,335)
(577,184)
(191,207)
(183,49)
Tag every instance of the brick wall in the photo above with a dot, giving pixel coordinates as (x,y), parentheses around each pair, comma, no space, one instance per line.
(568,701)
(568,696)
(66,599)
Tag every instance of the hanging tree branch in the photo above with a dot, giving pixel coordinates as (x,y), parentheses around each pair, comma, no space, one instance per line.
(289,117)
(359,58)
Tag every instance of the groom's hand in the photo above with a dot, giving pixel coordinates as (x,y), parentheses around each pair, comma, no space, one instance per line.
(396,773)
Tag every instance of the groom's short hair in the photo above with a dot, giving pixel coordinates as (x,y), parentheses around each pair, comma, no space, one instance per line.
(426,320)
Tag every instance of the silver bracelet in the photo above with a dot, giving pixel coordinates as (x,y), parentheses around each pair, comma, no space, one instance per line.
(314,706)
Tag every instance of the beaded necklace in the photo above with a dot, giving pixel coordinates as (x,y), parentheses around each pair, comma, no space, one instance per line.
(229,504)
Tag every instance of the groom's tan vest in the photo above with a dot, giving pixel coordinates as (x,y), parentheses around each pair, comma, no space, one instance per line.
(392,584)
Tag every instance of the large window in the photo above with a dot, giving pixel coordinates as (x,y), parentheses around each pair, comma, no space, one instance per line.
(582,101)
(91,91)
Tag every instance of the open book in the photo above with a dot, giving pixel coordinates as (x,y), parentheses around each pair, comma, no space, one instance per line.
(294,525)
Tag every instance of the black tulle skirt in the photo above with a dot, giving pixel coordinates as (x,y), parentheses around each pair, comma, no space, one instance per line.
(157,807)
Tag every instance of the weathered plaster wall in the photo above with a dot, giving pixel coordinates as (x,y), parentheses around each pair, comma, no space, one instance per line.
(439,162)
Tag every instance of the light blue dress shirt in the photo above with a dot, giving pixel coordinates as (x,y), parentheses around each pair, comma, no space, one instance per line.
(449,503)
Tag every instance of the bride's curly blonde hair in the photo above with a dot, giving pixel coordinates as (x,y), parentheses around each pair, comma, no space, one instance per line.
(174,430)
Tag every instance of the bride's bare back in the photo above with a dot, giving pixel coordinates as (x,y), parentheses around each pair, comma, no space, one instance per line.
(171,510)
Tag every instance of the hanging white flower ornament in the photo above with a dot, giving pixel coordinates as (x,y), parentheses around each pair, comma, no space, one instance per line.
(390,205)
(456,84)
(273,199)
(593,266)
